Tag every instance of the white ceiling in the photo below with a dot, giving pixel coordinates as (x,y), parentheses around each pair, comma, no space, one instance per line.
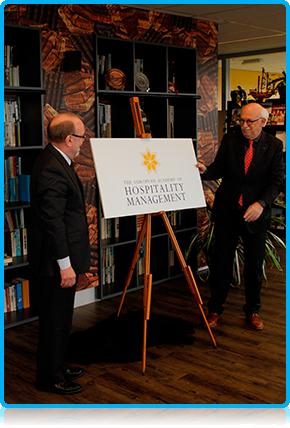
(242,28)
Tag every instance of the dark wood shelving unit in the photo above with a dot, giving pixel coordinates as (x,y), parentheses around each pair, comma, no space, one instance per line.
(25,55)
(170,114)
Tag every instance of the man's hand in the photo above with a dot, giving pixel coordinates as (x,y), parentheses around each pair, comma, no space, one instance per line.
(253,212)
(201,167)
(68,277)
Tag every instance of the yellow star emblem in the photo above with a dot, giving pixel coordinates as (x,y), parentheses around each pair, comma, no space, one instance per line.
(149,160)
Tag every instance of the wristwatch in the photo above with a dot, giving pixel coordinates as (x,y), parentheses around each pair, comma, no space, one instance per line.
(263,203)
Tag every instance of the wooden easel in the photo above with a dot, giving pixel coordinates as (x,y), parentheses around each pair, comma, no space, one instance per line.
(145,233)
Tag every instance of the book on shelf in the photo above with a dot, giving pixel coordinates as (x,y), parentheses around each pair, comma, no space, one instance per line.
(16,184)
(15,233)
(12,297)
(9,221)
(170,122)
(7,307)
(24,245)
(12,119)
(175,218)
(104,63)
(11,68)
(17,295)
(117,227)
(16,246)
(25,293)
(171,255)
(108,266)
(23,232)
(105,121)
(24,187)
(110,228)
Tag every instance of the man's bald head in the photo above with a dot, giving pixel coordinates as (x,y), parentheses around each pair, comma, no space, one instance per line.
(62,125)
(255,110)
(253,118)
(67,132)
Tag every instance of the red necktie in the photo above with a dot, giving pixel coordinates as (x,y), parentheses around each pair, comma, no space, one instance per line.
(247,162)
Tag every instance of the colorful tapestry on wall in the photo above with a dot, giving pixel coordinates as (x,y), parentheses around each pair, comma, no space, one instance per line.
(70,28)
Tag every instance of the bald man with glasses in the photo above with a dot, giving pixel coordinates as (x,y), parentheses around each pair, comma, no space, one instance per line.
(59,249)
(249,163)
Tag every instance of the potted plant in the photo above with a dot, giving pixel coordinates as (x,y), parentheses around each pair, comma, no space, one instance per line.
(201,245)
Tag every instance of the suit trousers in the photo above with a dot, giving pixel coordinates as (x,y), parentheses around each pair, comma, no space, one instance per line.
(55,321)
(226,235)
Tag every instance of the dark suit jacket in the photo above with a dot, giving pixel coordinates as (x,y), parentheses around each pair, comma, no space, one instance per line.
(262,181)
(58,224)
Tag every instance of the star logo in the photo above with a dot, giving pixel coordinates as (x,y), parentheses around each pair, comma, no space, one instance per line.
(149,160)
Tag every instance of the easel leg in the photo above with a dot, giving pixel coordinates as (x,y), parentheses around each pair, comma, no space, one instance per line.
(187,272)
(133,263)
(147,290)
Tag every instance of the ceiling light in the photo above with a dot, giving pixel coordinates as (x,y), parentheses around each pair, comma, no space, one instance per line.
(251,61)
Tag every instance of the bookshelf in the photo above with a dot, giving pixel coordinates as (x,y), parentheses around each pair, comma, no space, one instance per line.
(164,79)
(23,130)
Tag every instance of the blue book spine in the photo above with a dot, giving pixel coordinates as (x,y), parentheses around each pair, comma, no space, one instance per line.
(12,189)
(19,300)
(17,242)
(24,188)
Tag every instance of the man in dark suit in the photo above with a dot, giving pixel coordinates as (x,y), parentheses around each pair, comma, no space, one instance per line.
(59,249)
(250,163)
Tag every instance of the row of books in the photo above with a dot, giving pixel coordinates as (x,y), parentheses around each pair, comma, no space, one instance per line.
(16,295)
(12,119)
(108,266)
(110,228)
(11,68)
(17,189)
(16,184)
(104,63)
(15,233)
(105,121)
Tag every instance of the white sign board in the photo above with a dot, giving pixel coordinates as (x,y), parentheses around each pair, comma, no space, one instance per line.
(143,176)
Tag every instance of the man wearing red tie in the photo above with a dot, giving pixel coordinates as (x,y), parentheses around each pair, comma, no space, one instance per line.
(250,163)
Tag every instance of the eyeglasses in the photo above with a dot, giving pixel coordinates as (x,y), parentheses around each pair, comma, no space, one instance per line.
(80,136)
(249,122)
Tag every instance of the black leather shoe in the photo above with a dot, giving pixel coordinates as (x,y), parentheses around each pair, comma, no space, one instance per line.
(63,388)
(72,373)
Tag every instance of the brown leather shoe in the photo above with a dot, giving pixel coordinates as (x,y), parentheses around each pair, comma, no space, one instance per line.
(255,322)
(212,319)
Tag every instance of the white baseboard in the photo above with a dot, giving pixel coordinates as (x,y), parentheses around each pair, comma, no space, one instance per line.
(84,297)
